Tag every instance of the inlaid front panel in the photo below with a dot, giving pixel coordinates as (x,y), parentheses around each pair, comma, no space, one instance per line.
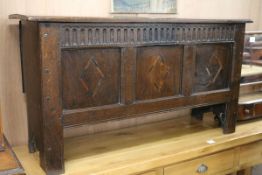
(212,67)
(91,77)
(158,72)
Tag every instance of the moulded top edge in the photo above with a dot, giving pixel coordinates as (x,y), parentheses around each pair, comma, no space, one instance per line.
(122,19)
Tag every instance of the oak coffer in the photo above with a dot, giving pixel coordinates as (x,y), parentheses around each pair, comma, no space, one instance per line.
(83,70)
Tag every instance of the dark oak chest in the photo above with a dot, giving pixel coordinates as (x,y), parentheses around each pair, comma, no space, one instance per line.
(86,70)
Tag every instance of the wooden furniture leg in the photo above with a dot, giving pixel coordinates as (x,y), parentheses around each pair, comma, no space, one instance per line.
(43,93)
(226,116)
(224,113)
(51,156)
(247,171)
(198,113)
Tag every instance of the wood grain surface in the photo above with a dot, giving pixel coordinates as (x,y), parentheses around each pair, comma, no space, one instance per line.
(121,19)
(144,148)
(75,74)
(13,100)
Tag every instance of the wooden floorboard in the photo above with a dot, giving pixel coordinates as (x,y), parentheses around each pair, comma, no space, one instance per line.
(9,164)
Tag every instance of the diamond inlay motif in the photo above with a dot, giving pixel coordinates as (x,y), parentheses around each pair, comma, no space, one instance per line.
(91,84)
(213,69)
(158,72)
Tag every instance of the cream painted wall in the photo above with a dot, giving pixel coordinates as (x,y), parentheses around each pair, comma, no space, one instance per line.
(260,18)
(12,98)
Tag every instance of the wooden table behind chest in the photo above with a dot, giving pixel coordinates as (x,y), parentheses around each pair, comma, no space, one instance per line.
(79,70)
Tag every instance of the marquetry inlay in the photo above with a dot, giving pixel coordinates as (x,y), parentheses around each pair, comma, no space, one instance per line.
(91,68)
(213,68)
(159,70)
(211,71)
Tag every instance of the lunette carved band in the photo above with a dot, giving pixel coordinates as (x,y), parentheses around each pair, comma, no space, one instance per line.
(136,34)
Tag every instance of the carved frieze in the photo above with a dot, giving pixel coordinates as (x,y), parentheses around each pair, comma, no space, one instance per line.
(141,34)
